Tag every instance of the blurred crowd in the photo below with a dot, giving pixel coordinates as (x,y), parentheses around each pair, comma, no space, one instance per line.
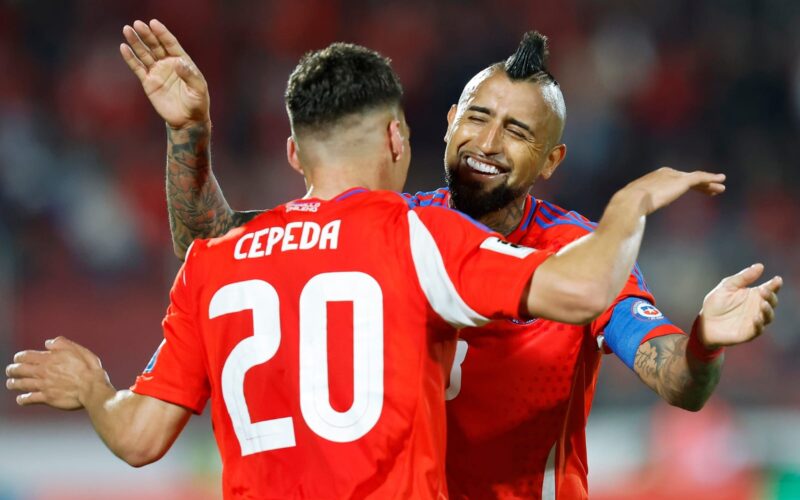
(695,84)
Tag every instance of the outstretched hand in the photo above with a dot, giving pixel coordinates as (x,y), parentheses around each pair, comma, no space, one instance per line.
(172,82)
(665,185)
(735,312)
(61,376)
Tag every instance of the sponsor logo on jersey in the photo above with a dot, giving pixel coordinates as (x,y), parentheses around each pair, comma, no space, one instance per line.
(645,310)
(495,244)
(299,206)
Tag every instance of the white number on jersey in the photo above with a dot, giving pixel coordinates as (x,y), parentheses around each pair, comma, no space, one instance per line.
(261,298)
(455,372)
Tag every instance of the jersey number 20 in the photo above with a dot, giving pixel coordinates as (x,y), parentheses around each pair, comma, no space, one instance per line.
(261,298)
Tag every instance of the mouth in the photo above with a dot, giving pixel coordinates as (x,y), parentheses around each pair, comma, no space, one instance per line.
(482,167)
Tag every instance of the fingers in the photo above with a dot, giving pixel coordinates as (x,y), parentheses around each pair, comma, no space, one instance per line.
(701,177)
(141,50)
(60,343)
(147,36)
(33,357)
(133,62)
(21,370)
(767,313)
(23,384)
(167,39)
(706,182)
(31,398)
(745,277)
(772,286)
(712,189)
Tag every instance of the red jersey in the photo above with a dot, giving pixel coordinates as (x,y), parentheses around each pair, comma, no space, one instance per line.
(323,332)
(520,392)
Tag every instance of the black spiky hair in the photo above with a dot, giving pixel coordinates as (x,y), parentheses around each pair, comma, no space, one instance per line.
(529,61)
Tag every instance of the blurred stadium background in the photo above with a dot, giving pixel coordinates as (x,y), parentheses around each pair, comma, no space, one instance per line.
(84,240)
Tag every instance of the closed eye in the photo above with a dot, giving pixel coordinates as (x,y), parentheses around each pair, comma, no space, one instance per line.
(516,133)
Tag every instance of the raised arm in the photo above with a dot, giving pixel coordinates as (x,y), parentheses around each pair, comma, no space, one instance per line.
(179,93)
(685,370)
(67,376)
(582,280)
(196,205)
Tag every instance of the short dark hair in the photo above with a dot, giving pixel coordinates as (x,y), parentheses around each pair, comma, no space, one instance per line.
(339,80)
(529,62)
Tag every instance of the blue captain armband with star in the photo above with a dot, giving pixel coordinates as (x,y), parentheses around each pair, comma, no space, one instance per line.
(634,322)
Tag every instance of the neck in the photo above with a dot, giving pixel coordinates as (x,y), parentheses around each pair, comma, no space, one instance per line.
(326,182)
(506,219)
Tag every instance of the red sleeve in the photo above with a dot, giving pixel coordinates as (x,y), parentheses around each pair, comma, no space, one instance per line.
(559,228)
(468,273)
(177,371)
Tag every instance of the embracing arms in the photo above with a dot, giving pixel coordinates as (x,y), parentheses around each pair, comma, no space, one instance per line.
(138,429)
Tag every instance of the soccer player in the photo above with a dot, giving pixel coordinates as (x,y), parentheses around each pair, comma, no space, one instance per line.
(323,330)
(519,391)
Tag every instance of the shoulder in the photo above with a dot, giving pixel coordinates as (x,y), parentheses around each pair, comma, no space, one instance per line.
(554,224)
(439,197)
(443,218)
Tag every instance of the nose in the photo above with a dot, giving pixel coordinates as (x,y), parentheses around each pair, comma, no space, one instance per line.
(489,141)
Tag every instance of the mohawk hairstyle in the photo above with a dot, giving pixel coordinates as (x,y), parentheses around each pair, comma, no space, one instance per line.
(339,80)
(528,62)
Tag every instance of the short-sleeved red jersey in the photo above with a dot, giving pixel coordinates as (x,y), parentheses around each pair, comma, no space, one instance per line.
(323,332)
(520,392)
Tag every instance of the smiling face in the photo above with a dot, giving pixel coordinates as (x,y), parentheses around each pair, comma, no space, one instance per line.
(501,137)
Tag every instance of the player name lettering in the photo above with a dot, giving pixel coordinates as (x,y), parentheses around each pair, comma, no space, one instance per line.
(294,236)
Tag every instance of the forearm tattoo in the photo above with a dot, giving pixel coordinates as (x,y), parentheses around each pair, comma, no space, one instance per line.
(196,206)
(663,364)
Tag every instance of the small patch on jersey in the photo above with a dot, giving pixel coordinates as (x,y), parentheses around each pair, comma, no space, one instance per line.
(152,363)
(522,322)
(646,311)
(299,206)
(495,244)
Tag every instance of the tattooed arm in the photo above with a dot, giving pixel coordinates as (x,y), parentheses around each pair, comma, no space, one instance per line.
(179,93)
(674,374)
(685,370)
(197,208)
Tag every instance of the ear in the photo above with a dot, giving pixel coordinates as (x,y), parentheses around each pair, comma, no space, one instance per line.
(291,155)
(554,159)
(451,115)
(396,140)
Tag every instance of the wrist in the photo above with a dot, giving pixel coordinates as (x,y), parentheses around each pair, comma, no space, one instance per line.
(632,198)
(96,390)
(697,348)
(193,125)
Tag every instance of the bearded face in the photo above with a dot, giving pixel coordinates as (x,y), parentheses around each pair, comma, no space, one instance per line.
(499,140)
(477,199)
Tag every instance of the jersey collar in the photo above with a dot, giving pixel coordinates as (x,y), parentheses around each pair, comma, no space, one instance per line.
(339,197)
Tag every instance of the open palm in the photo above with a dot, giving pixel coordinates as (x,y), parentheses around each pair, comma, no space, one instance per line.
(734,312)
(170,79)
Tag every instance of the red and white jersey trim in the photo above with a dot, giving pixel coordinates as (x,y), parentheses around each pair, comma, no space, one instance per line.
(434,280)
